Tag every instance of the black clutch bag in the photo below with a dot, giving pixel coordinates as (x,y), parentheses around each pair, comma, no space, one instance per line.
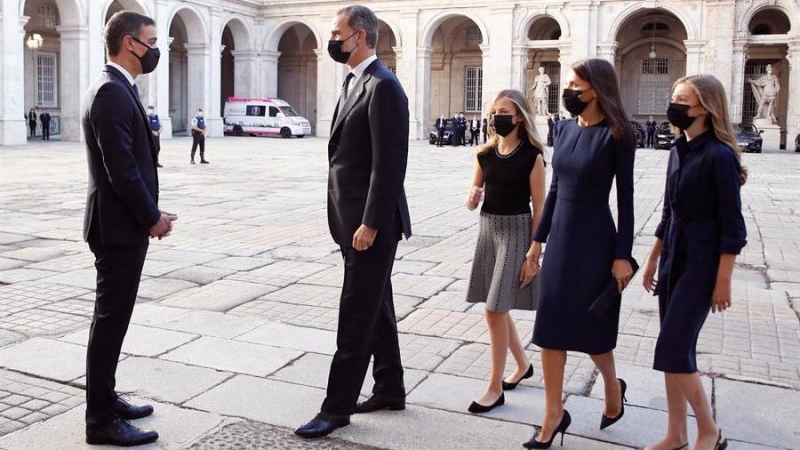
(610,297)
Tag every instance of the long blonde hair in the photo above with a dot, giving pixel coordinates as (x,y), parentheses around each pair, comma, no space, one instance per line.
(523,109)
(712,97)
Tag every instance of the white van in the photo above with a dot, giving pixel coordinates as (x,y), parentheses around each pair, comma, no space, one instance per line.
(263,116)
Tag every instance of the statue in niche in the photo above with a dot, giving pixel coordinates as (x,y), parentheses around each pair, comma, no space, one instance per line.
(541,89)
(765,90)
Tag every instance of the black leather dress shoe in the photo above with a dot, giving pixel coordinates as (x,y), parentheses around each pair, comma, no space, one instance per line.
(131,412)
(322,425)
(120,432)
(377,402)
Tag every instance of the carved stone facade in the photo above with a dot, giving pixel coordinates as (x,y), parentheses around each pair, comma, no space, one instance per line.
(450,56)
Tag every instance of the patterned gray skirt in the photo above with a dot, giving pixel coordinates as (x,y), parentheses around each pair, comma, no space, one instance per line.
(503,242)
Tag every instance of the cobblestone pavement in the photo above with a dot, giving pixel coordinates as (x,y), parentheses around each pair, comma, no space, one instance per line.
(243,296)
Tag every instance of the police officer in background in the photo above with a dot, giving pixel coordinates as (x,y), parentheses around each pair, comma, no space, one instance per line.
(199,136)
(155,128)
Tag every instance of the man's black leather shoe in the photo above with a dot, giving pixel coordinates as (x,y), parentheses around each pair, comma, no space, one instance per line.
(120,432)
(377,402)
(131,412)
(322,425)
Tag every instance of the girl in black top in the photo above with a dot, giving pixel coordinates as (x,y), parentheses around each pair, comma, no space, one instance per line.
(509,170)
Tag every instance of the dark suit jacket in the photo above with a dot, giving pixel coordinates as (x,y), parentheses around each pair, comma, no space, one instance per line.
(122,201)
(367,155)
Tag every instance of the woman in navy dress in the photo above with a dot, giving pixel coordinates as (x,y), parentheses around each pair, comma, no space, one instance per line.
(585,253)
(700,234)
(510,169)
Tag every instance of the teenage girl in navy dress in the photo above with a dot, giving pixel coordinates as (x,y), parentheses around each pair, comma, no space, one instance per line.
(700,234)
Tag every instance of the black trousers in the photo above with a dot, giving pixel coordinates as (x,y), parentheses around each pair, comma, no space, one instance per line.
(199,139)
(650,137)
(119,268)
(45,131)
(367,327)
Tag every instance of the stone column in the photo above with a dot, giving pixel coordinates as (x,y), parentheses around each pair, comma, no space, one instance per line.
(213,82)
(694,54)
(422,104)
(327,90)
(269,74)
(583,14)
(198,77)
(407,58)
(565,60)
(519,67)
(162,84)
(608,51)
(736,95)
(490,85)
(73,79)
(162,70)
(13,127)
(244,73)
(793,108)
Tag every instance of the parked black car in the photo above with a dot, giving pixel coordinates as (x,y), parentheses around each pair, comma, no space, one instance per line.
(664,136)
(748,137)
(433,136)
(641,135)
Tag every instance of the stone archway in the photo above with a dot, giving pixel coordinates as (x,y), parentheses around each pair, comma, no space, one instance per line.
(387,43)
(297,71)
(238,59)
(651,51)
(455,69)
(189,48)
(54,48)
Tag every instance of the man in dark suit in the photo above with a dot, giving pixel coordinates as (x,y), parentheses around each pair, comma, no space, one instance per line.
(367,213)
(441,124)
(121,215)
(44,117)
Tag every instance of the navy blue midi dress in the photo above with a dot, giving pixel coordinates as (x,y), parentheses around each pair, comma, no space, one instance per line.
(582,240)
(701,219)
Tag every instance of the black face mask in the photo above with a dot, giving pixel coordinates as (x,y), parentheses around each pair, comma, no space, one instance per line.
(678,115)
(572,101)
(336,52)
(503,124)
(150,59)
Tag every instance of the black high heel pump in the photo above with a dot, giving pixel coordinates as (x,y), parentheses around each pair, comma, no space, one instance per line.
(606,422)
(566,420)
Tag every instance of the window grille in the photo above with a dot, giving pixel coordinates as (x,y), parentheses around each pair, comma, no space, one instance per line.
(473,88)
(46,80)
(655,88)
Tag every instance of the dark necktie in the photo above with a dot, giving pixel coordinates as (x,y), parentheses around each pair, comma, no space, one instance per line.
(346,85)
(136,91)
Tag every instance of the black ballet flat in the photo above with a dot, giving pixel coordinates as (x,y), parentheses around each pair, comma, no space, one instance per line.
(510,386)
(566,420)
(606,422)
(476,407)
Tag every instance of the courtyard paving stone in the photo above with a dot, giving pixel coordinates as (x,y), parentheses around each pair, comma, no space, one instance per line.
(251,267)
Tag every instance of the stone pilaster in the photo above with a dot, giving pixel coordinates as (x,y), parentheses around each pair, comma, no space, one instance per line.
(793,107)
(213,82)
(607,51)
(74,76)
(161,74)
(736,95)
(244,73)
(13,127)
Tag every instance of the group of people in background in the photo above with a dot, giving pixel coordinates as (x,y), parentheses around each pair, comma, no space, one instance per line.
(458,126)
(44,118)
(577,288)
